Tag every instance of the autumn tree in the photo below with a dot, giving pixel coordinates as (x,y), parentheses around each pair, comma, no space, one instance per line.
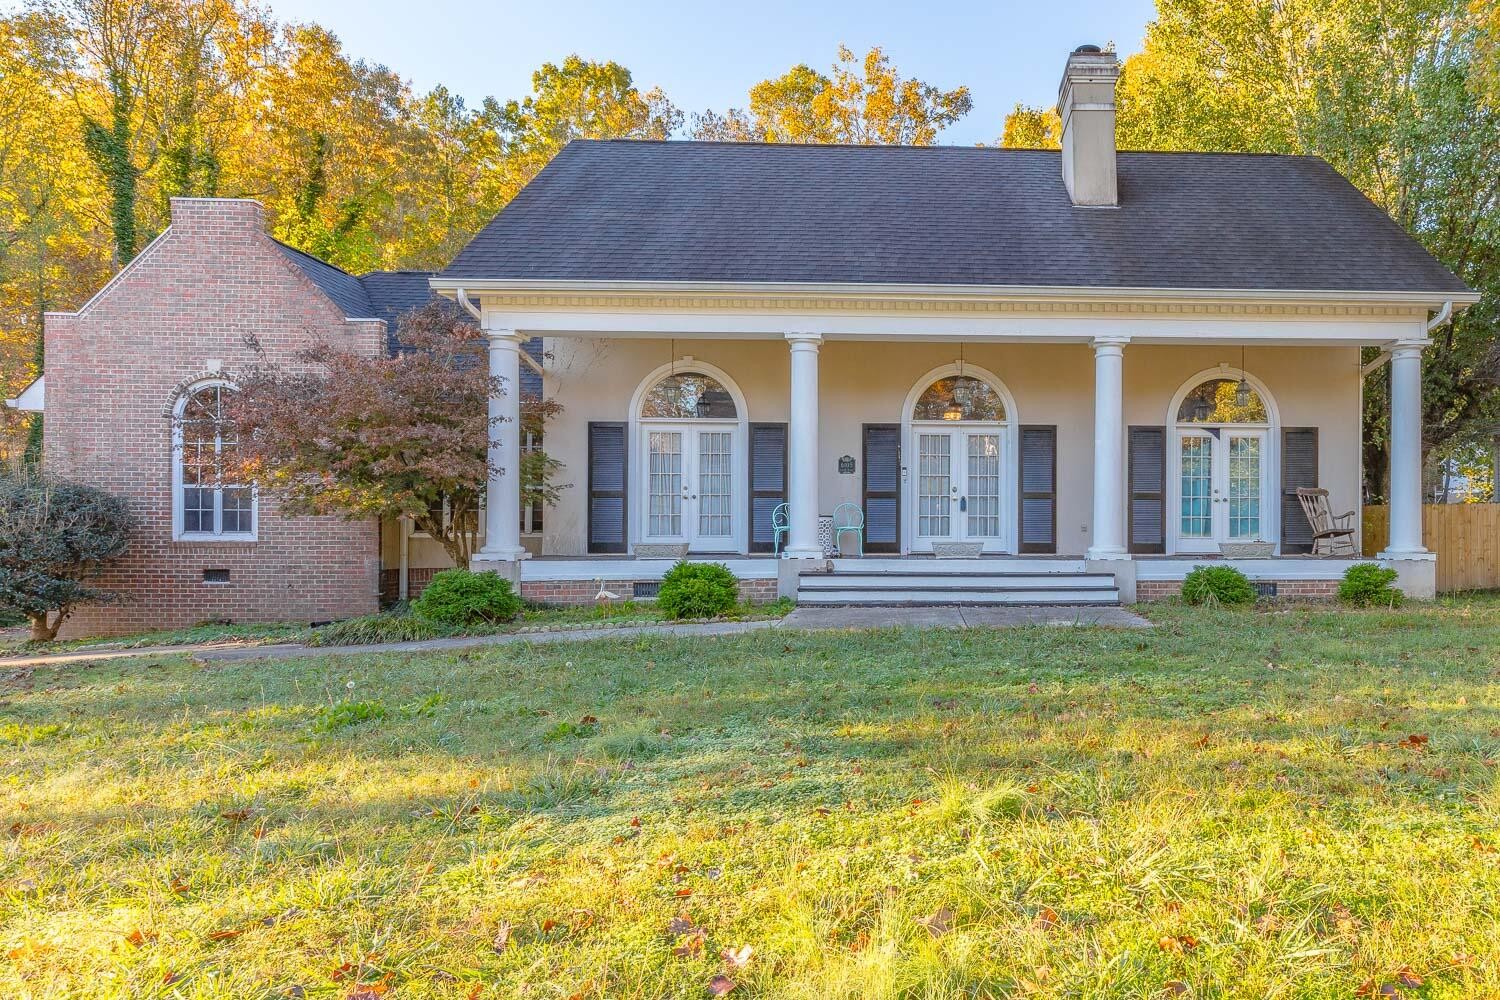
(364,436)
(864,101)
(1392,94)
(579,100)
(1032,128)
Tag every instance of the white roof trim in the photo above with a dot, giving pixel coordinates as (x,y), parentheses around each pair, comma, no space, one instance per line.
(31,398)
(1435,299)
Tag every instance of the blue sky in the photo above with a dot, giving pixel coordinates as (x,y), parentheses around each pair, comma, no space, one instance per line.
(708,55)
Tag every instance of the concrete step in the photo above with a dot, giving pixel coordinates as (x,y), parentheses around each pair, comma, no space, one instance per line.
(1058,597)
(843,580)
(922,564)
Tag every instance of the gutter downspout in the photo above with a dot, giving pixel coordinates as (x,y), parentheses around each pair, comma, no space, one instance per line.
(463,300)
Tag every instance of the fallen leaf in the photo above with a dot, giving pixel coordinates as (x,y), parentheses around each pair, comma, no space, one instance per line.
(680,925)
(235,815)
(476,992)
(690,946)
(138,937)
(683,892)
(548,924)
(939,923)
(1407,978)
(1416,741)
(720,985)
(737,958)
(1177,944)
(1046,919)
(1266,923)
(169,978)
(1177,988)
(225,935)
(501,940)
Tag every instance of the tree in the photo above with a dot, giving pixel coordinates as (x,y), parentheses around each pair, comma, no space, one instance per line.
(1032,128)
(579,100)
(865,101)
(1393,94)
(362,436)
(55,539)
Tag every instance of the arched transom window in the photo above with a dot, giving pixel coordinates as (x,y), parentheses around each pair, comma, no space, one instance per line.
(691,395)
(1222,401)
(960,397)
(208,502)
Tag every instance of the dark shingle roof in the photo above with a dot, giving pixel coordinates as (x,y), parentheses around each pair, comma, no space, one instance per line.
(746,212)
(387,295)
(343,288)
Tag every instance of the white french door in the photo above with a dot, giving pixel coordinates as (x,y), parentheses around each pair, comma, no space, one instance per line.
(957,491)
(1221,487)
(691,485)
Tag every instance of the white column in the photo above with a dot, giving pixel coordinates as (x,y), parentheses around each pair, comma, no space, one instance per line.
(802,460)
(1406,453)
(502,503)
(1109,449)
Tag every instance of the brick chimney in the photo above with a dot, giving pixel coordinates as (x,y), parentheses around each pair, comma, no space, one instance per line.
(1086,103)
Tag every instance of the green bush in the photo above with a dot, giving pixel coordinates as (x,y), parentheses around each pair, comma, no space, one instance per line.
(459,597)
(697,590)
(1213,585)
(1367,584)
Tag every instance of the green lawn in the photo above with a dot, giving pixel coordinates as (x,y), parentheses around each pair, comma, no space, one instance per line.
(1294,803)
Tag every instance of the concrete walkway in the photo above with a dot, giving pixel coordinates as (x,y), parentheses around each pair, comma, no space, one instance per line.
(801,618)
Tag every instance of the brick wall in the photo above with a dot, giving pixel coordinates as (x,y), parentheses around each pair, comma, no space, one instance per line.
(1305,590)
(114,369)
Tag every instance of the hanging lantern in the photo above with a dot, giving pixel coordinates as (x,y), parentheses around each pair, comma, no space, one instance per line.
(1242,391)
(953,412)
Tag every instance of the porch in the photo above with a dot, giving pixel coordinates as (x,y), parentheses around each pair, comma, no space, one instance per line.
(1101,437)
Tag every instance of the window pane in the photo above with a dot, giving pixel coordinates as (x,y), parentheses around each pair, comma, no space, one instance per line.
(689,395)
(197,509)
(1218,401)
(960,397)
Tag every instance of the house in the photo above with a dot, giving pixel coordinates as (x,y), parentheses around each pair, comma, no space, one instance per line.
(1096,368)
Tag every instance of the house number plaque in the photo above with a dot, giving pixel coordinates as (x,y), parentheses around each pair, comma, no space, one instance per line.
(846,465)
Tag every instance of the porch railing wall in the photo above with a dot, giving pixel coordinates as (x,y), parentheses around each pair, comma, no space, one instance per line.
(1465,536)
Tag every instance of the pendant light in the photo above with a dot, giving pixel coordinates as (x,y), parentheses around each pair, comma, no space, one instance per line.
(1242,391)
(953,410)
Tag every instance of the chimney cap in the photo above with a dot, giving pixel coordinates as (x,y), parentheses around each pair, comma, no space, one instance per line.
(1089,49)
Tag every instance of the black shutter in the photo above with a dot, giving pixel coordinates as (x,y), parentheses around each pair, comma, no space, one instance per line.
(1148,489)
(1299,467)
(767,481)
(608,449)
(882,487)
(1038,506)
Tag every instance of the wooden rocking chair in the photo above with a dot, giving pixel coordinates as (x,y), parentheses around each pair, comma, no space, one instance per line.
(1332,534)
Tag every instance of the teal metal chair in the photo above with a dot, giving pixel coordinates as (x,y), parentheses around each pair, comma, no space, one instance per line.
(848,518)
(781,523)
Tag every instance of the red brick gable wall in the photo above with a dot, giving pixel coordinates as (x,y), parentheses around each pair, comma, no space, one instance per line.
(185,305)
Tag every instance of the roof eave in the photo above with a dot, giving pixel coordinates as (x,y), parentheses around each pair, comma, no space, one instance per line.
(1002,293)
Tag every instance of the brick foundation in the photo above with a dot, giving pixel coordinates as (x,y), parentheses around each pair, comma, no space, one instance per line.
(573,592)
(1299,590)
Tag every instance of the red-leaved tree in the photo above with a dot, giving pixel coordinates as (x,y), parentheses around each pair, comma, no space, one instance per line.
(361,436)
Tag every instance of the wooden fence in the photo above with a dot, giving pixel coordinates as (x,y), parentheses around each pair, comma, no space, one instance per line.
(1465,536)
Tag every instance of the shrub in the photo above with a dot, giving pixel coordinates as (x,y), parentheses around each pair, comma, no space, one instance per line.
(1366,584)
(459,597)
(1214,585)
(55,538)
(697,590)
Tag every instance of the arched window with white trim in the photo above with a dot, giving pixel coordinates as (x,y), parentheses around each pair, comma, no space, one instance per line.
(208,503)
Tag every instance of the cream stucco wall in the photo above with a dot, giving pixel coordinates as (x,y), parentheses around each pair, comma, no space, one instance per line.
(866,382)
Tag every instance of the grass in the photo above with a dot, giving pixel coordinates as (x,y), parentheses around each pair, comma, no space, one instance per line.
(1262,803)
(397,625)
